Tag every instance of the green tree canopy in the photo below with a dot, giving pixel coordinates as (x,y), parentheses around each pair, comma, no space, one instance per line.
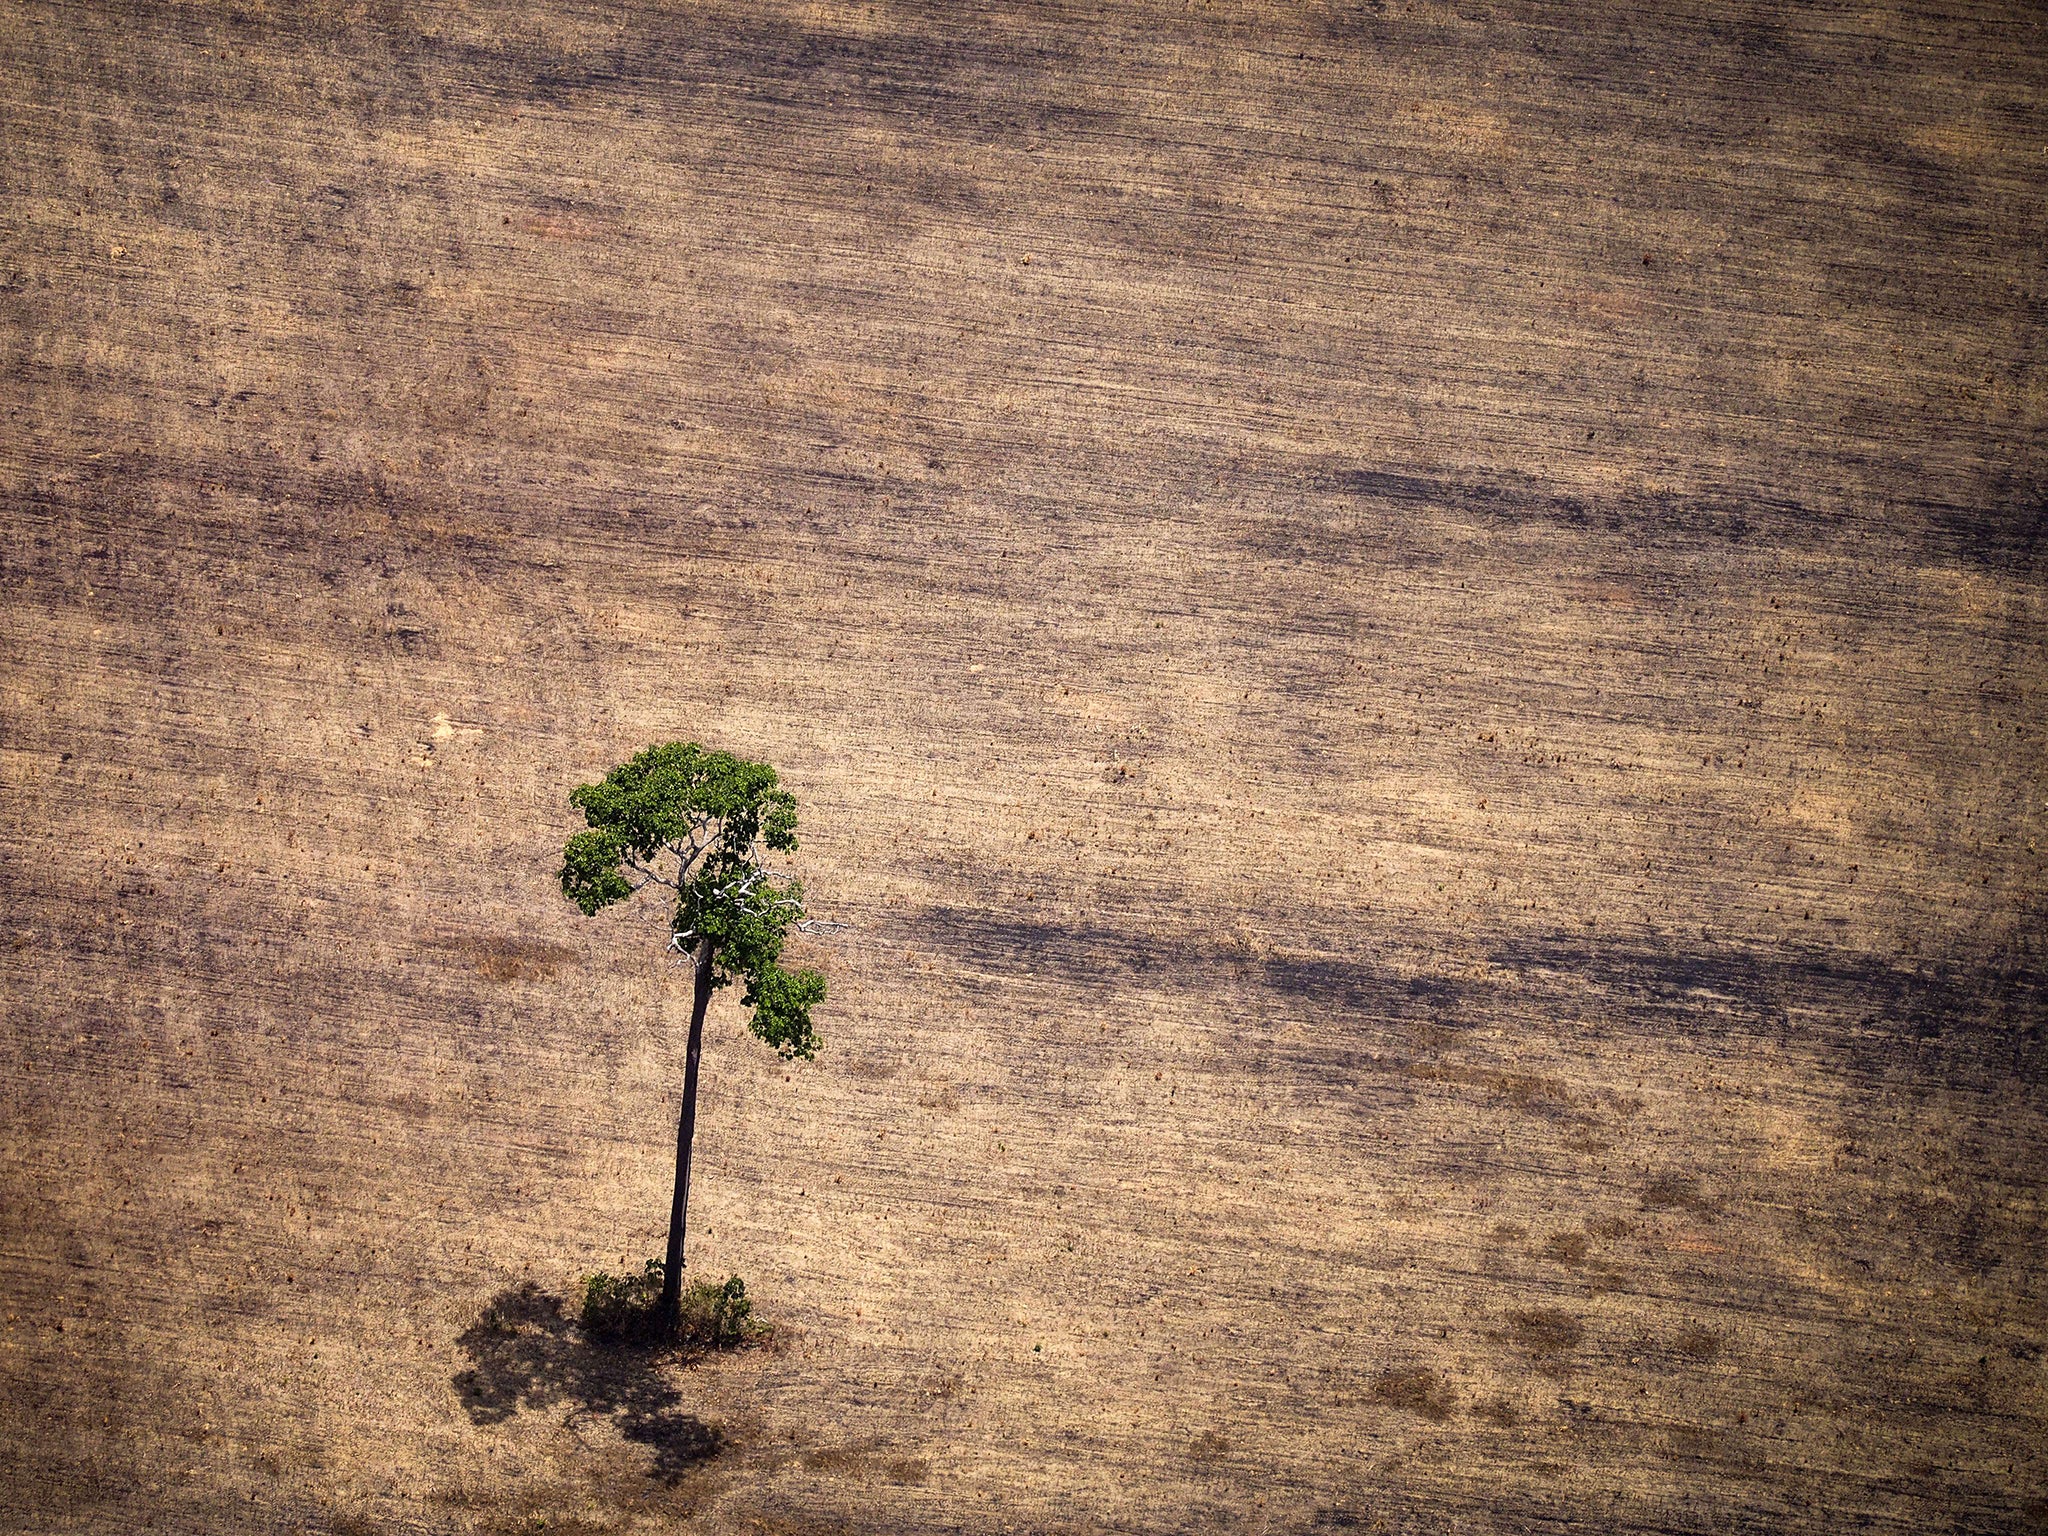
(701,825)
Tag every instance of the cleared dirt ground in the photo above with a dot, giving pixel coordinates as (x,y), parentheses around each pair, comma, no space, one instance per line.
(1410,635)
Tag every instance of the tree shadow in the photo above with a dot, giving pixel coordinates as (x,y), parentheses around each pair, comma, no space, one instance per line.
(527,1353)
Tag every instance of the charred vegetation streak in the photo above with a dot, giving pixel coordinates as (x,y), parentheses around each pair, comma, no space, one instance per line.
(1982,1021)
(2003,534)
(1970,1021)
(1095,956)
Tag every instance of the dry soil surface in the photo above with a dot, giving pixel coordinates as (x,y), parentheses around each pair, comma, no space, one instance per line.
(1411,637)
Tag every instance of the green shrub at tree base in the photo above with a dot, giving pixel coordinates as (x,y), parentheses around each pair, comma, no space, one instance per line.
(621,1307)
(626,1309)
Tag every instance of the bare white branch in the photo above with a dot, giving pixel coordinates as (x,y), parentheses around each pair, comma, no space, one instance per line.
(648,874)
(752,882)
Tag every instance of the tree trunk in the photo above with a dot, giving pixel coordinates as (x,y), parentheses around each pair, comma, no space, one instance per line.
(670,1307)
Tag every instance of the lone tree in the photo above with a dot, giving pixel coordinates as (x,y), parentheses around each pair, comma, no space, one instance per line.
(701,825)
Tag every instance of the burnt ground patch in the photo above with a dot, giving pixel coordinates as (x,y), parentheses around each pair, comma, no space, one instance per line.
(1958,1021)
(2001,532)
(1138,953)
(1973,1022)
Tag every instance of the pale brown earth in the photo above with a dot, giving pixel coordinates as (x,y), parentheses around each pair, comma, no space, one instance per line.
(1411,636)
